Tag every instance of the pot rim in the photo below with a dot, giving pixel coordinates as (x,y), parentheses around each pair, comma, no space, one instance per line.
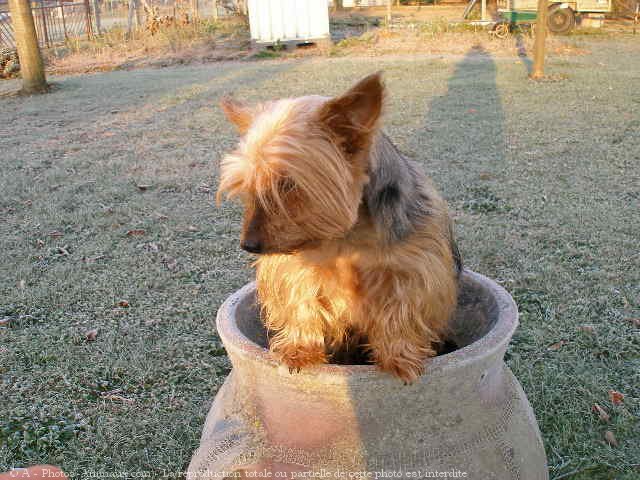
(493,342)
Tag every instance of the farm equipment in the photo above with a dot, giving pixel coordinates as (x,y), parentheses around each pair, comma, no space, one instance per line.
(561,18)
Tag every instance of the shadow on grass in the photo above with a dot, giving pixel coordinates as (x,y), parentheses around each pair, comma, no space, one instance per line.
(522,52)
(464,129)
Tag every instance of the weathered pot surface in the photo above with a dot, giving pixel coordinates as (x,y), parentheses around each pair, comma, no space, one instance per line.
(467,415)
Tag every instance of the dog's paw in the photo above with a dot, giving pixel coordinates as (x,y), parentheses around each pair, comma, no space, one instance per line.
(297,357)
(403,369)
(408,365)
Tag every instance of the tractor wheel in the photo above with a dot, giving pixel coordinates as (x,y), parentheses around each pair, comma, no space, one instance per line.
(561,20)
(501,30)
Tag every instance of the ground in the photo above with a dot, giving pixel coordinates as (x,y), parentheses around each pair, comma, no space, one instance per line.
(115,258)
(425,30)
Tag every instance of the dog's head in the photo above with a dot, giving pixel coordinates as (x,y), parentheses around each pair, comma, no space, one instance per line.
(301,166)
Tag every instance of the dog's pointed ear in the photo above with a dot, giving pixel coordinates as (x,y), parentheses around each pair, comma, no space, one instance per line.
(353,116)
(238,113)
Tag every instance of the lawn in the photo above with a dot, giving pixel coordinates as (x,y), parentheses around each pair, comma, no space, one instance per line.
(115,258)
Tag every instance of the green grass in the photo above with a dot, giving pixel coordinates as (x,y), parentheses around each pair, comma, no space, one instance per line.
(543,179)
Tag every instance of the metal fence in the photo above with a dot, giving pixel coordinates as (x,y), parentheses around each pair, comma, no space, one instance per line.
(56,21)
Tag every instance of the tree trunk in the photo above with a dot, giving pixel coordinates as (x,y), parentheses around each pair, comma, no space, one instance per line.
(31,65)
(537,72)
(215,10)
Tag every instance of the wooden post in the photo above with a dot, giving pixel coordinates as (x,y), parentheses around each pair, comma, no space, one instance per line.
(64,21)
(484,10)
(389,13)
(138,13)
(45,28)
(537,72)
(215,10)
(31,65)
(134,15)
(87,16)
(96,13)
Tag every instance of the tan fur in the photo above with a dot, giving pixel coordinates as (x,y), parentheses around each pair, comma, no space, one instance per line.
(328,278)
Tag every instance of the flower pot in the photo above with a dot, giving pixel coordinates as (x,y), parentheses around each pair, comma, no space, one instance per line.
(467,415)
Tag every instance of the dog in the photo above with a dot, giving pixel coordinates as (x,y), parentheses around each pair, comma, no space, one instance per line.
(355,247)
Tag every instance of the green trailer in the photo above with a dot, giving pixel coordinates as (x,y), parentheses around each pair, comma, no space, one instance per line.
(561,18)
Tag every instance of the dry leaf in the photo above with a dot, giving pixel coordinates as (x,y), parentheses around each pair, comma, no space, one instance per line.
(143,187)
(193,228)
(92,260)
(91,335)
(587,328)
(171,263)
(117,398)
(4,321)
(123,303)
(55,234)
(22,284)
(610,438)
(63,251)
(616,397)
(136,232)
(557,345)
(151,247)
(634,321)
(602,413)
(39,243)
(204,188)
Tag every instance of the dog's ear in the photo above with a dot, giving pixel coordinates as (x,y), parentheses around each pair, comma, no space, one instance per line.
(353,116)
(238,113)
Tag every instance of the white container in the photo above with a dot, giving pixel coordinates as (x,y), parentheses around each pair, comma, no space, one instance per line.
(288,21)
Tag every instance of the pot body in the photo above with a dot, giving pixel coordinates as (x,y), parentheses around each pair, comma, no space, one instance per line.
(467,417)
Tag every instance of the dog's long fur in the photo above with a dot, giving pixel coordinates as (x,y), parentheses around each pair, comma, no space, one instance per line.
(355,245)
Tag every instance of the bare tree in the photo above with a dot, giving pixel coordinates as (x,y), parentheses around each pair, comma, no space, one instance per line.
(31,65)
(537,72)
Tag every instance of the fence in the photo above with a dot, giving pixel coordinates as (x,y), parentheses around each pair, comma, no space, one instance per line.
(58,20)
(55,21)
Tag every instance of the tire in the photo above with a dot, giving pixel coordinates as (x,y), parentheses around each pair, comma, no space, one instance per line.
(561,20)
(501,30)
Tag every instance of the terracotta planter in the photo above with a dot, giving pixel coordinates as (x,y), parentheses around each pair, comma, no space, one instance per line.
(467,415)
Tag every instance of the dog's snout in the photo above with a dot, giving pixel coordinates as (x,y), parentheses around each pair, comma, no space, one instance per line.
(251,245)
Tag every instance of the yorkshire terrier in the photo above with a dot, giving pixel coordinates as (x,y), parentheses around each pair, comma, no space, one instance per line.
(355,246)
